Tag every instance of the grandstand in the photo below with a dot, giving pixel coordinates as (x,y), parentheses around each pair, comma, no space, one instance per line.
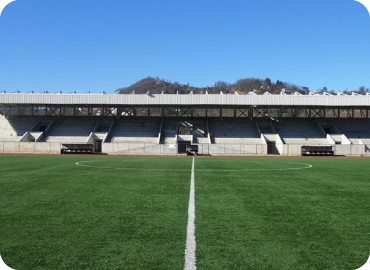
(13,129)
(234,131)
(355,131)
(200,132)
(301,132)
(131,130)
(169,135)
(165,124)
(69,131)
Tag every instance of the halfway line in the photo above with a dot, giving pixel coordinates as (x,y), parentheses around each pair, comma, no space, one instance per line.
(190,259)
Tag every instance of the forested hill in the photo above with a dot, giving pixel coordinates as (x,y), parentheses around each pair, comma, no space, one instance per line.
(242,86)
(157,86)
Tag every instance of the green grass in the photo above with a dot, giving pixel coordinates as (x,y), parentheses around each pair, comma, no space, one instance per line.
(131,212)
(56,215)
(314,218)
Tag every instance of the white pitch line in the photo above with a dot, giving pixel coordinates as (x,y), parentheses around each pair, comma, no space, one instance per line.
(305,166)
(190,259)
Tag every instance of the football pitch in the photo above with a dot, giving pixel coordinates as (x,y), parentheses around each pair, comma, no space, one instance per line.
(127,212)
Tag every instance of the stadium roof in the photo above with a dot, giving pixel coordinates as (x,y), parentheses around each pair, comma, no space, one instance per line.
(148,99)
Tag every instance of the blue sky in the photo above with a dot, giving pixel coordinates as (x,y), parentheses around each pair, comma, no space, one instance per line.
(80,45)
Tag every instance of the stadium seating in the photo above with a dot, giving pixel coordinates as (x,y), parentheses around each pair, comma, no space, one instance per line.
(234,131)
(169,135)
(71,130)
(301,132)
(132,130)
(13,129)
(266,127)
(200,132)
(355,130)
(104,125)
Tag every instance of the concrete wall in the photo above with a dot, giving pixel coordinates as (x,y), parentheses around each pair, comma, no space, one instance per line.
(339,149)
(29,148)
(238,149)
(349,149)
(171,149)
(139,149)
(291,150)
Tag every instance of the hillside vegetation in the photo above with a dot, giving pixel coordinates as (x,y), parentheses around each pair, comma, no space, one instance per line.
(242,86)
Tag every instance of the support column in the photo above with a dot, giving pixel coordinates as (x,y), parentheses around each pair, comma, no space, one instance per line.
(250,113)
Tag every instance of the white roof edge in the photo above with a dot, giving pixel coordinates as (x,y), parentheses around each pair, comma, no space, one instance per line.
(195,99)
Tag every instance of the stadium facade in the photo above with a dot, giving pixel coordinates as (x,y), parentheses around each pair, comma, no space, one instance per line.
(215,124)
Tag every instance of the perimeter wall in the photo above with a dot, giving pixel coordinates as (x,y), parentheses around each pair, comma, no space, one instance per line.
(172,149)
